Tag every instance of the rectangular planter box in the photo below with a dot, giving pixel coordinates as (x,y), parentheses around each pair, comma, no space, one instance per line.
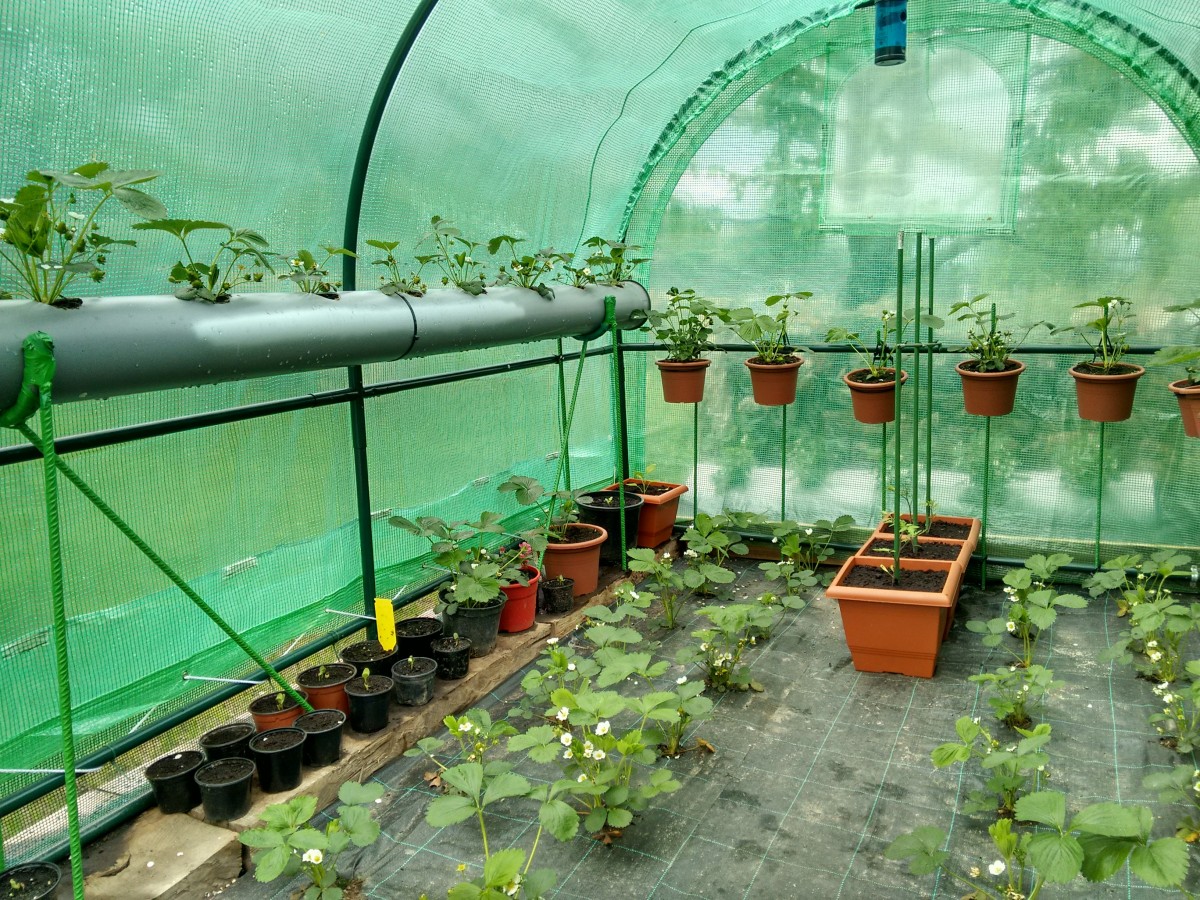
(659,511)
(972,539)
(896,630)
(963,559)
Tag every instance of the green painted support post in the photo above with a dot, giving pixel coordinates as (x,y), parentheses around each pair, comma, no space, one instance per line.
(916,384)
(610,319)
(987,470)
(783,465)
(899,383)
(929,393)
(1099,496)
(563,431)
(695,459)
(883,472)
(50,475)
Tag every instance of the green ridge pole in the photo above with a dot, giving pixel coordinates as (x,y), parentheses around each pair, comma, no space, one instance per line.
(162,565)
(619,457)
(929,393)
(1099,495)
(916,425)
(564,436)
(783,466)
(899,359)
(50,476)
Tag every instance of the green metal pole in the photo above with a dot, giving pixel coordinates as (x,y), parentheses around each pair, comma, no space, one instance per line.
(987,470)
(47,449)
(610,317)
(50,475)
(783,466)
(916,425)
(564,437)
(898,369)
(695,459)
(929,393)
(1099,495)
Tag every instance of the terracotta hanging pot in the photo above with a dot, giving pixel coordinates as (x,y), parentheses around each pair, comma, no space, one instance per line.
(989,393)
(683,382)
(1188,396)
(874,401)
(578,557)
(1105,398)
(774,385)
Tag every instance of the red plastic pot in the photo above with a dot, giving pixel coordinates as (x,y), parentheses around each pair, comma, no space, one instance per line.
(521,608)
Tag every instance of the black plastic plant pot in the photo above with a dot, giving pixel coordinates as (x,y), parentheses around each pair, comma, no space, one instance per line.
(453,657)
(322,736)
(172,778)
(413,637)
(225,788)
(278,754)
(478,624)
(369,655)
(603,508)
(369,703)
(227,741)
(556,596)
(30,881)
(414,680)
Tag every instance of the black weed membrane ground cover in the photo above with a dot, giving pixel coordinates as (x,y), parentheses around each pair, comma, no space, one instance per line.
(810,779)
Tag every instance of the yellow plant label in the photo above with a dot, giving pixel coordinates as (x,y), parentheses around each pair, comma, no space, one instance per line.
(385,622)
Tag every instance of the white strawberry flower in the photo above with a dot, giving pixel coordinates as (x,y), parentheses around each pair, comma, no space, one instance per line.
(602,728)
(313,856)
(997,868)
(562,714)
(566,738)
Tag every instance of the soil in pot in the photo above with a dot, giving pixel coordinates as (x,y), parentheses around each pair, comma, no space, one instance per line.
(907,580)
(225,788)
(322,736)
(31,881)
(556,596)
(278,754)
(274,710)
(479,624)
(414,680)
(371,655)
(954,531)
(172,778)
(369,703)
(924,550)
(603,508)
(227,741)
(326,685)
(413,637)
(453,657)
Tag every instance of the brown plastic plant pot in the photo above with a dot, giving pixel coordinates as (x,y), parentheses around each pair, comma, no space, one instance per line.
(1188,396)
(268,713)
(577,559)
(659,510)
(1106,398)
(896,630)
(990,393)
(874,402)
(683,382)
(774,385)
(328,691)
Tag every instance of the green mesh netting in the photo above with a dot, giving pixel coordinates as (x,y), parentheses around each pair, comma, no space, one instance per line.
(1048,143)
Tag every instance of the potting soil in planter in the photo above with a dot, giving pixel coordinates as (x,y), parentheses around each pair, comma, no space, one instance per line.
(322,736)
(172,778)
(906,580)
(370,655)
(227,741)
(225,788)
(32,881)
(926,550)
(413,636)
(955,531)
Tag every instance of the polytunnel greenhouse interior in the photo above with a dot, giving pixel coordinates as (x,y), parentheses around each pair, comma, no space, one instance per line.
(454,448)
